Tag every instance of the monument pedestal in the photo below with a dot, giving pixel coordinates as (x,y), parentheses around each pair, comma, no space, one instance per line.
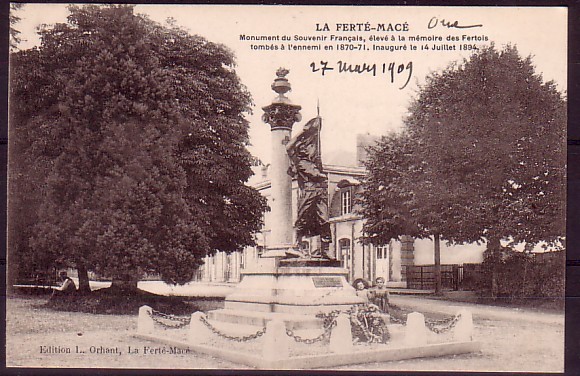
(294,291)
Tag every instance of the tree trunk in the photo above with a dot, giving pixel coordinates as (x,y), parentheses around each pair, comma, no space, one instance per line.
(84,286)
(494,247)
(437,259)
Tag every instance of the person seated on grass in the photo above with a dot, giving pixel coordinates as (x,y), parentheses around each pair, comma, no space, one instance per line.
(66,287)
(361,287)
(379,295)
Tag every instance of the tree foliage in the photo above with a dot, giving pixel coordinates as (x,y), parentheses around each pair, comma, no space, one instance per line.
(482,157)
(14,34)
(141,133)
(385,195)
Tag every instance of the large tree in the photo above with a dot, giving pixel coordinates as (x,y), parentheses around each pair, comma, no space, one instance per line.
(141,132)
(489,153)
(400,197)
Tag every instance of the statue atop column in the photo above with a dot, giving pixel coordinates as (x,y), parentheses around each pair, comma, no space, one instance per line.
(306,166)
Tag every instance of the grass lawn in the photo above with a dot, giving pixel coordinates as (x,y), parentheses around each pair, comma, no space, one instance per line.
(32,331)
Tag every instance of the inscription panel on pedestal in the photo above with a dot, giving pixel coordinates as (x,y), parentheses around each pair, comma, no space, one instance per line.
(320,282)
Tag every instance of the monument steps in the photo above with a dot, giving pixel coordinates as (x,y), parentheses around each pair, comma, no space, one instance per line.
(259,319)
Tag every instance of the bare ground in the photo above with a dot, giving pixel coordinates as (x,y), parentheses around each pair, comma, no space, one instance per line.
(507,345)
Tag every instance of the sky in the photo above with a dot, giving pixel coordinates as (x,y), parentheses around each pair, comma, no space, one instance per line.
(350,103)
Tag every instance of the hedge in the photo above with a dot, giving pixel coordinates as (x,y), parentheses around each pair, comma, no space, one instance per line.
(525,275)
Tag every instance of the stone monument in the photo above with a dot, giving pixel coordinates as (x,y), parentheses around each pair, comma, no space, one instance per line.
(280,297)
(291,289)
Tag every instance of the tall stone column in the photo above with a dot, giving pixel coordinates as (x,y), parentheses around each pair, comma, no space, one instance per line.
(281,115)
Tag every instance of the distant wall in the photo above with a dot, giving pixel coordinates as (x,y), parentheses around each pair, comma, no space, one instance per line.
(450,254)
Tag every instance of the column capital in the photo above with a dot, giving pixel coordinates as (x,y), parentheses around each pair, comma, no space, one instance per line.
(281,113)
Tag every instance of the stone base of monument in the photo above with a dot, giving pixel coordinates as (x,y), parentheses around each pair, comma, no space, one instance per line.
(299,289)
(270,322)
(273,347)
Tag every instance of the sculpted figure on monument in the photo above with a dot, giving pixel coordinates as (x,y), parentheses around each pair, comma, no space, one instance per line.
(306,167)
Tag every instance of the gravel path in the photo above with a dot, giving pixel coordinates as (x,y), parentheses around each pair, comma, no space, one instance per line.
(479,311)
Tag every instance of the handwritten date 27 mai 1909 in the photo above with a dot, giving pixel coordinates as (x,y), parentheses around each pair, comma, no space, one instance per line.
(396,72)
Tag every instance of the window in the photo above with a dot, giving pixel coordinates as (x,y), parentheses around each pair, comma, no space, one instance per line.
(345,201)
(381,252)
(344,246)
(228,267)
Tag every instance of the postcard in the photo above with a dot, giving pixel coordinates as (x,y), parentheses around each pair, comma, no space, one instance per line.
(372,188)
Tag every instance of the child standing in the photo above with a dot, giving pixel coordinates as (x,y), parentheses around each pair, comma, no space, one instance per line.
(379,295)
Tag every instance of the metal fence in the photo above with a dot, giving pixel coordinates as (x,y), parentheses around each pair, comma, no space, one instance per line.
(453,277)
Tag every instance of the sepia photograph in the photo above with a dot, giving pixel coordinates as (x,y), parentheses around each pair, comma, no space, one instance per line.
(284,187)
